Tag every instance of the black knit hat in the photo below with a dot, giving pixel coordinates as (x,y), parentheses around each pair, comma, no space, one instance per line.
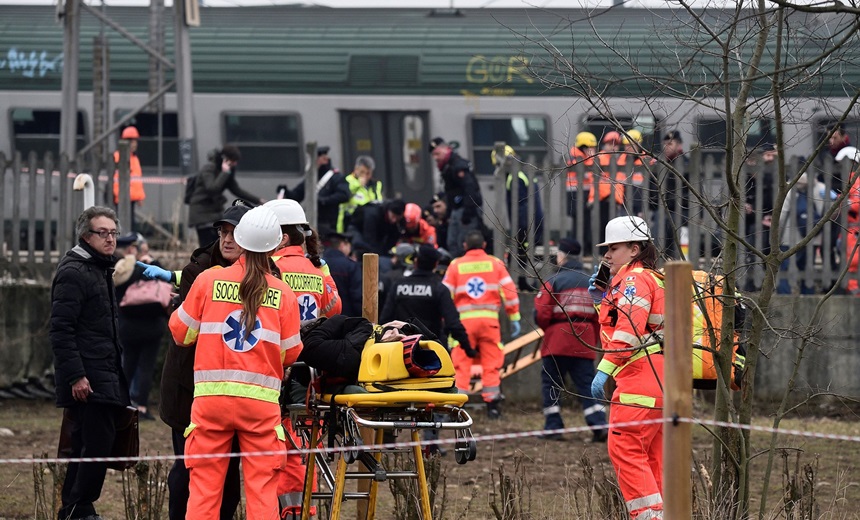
(436,141)
(570,246)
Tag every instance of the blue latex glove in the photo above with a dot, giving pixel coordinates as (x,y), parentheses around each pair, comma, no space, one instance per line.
(595,293)
(516,328)
(597,385)
(154,272)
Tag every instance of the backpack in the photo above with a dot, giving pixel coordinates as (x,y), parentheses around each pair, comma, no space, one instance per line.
(708,301)
(190,184)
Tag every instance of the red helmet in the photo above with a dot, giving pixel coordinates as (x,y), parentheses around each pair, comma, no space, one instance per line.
(420,362)
(130,132)
(412,215)
(612,137)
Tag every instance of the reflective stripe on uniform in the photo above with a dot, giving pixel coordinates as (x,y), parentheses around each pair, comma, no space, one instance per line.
(239,376)
(626,337)
(331,304)
(232,389)
(597,408)
(574,309)
(478,314)
(549,410)
(293,341)
(293,499)
(461,289)
(478,307)
(612,369)
(650,514)
(217,327)
(186,318)
(638,503)
(641,400)
(639,301)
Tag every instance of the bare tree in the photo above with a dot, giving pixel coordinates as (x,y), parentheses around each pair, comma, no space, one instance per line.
(755,61)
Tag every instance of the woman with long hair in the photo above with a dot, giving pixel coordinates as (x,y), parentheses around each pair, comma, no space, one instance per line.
(631,332)
(245,323)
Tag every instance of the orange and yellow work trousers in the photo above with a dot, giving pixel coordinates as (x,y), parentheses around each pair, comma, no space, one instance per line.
(214,422)
(485,336)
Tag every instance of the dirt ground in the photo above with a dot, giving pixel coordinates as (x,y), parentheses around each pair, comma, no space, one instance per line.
(557,480)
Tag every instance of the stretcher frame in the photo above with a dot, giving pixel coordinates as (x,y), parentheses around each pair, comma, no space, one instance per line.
(339,418)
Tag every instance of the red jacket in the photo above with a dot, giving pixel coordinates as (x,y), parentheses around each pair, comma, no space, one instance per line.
(565,312)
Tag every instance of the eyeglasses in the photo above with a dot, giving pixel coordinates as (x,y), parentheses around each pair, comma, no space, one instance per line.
(223,232)
(104,233)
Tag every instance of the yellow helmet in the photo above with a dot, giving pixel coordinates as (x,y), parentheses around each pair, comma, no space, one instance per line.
(509,152)
(634,134)
(586,139)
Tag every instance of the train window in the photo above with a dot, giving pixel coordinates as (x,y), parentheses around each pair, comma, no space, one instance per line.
(528,135)
(648,125)
(269,142)
(35,130)
(712,135)
(147,145)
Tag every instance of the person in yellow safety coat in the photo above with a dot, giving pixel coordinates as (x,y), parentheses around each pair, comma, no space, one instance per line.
(136,191)
(317,296)
(480,285)
(362,188)
(245,323)
(632,308)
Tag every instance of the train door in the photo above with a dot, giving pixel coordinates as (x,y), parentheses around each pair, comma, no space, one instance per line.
(397,141)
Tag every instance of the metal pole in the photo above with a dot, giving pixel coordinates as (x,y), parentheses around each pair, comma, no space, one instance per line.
(71,48)
(311,179)
(184,91)
(678,392)
(123,167)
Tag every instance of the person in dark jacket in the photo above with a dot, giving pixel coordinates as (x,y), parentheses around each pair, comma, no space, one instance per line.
(375,228)
(90,384)
(207,198)
(332,191)
(462,194)
(421,295)
(345,271)
(177,378)
(141,326)
(565,312)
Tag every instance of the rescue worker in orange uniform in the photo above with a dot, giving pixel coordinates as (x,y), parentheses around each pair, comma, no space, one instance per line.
(415,229)
(608,191)
(852,154)
(480,285)
(631,328)
(136,182)
(633,153)
(582,153)
(245,323)
(317,296)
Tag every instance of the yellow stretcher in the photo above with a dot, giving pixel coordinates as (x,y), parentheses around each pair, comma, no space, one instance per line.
(385,399)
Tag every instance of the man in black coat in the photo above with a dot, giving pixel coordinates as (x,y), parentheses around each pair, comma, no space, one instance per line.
(345,271)
(332,191)
(88,356)
(375,227)
(462,194)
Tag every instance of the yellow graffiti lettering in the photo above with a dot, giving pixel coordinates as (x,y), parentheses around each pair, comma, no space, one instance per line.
(498,69)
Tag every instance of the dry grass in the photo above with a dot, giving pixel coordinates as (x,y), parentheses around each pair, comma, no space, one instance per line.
(549,479)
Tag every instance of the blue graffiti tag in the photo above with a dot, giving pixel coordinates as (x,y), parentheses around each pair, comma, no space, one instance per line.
(32,64)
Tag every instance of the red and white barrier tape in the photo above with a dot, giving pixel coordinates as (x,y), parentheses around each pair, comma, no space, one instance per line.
(446,441)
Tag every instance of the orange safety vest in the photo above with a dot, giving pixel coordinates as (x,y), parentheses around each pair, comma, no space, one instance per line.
(637,177)
(604,184)
(631,315)
(480,284)
(426,234)
(578,156)
(136,187)
(229,361)
(316,292)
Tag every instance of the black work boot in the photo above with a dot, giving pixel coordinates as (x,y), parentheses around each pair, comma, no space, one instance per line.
(494,409)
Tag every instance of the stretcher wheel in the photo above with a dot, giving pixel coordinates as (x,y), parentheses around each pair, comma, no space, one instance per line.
(462,452)
(473,449)
(353,454)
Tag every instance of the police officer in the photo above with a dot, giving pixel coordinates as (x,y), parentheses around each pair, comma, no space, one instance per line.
(422,295)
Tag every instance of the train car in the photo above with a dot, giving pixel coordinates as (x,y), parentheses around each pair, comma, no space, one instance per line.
(378,82)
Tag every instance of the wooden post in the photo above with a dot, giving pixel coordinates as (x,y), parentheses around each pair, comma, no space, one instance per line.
(370,310)
(678,392)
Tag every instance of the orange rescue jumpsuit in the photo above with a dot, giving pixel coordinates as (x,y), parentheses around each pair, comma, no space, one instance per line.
(631,315)
(136,187)
(237,382)
(480,284)
(851,235)
(317,296)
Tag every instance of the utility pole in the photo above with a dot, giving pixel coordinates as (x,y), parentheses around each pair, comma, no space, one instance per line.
(71,49)
(184,90)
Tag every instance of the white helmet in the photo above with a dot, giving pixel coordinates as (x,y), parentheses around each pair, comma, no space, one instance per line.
(849,152)
(288,211)
(258,231)
(626,229)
